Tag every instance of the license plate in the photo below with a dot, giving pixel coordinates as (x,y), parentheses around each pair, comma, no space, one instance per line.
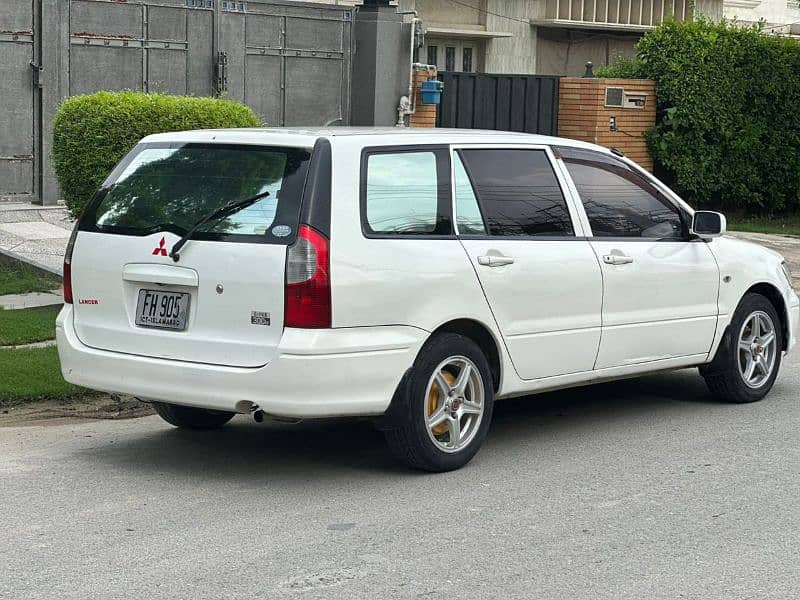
(163,310)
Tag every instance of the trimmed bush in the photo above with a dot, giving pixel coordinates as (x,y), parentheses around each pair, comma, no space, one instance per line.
(728,130)
(92,133)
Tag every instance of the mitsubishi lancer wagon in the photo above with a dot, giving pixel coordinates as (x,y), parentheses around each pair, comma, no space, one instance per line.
(410,276)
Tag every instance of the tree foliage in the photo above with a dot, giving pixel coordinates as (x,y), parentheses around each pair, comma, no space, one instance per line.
(728,130)
(92,133)
(622,68)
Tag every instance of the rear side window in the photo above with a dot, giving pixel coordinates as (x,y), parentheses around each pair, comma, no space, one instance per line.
(170,187)
(518,192)
(405,193)
(618,201)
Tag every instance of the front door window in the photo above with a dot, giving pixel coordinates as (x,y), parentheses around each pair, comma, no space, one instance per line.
(619,202)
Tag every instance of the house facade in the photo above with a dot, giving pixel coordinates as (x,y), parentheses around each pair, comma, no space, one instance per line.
(549,37)
(778,16)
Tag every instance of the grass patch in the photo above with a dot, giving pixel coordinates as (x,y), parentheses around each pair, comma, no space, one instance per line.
(33,374)
(28,325)
(789,225)
(18,278)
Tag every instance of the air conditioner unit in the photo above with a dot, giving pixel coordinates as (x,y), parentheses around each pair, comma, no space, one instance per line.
(615,97)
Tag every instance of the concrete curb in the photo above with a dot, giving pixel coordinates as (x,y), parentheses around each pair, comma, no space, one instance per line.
(44,344)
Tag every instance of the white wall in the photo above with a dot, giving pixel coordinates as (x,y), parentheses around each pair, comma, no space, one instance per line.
(515,54)
(774,12)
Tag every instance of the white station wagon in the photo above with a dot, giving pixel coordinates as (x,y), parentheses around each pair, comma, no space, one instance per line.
(413,276)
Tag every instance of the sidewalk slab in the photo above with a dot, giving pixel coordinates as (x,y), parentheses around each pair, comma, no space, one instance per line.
(35,230)
(34,234)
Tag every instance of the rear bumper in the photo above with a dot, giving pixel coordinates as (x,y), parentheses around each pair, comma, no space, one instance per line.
(316,373)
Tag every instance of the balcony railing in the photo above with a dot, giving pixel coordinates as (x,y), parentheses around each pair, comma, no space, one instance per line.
(636,15)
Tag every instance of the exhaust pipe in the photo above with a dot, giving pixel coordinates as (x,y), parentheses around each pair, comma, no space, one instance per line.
(259,416)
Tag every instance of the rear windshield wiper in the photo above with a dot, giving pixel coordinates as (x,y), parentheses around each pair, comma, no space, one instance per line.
(218,213)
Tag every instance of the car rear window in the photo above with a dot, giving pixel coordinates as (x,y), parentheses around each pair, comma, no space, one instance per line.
(170,187)
(405,192)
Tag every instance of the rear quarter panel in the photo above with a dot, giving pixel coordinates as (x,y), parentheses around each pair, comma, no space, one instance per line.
(422,283)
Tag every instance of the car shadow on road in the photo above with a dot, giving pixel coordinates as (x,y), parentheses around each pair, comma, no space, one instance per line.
(335,448)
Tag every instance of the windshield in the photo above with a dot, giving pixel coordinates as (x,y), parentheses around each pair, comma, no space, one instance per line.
(170,187)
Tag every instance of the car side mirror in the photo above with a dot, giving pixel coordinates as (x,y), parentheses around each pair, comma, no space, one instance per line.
(707,224)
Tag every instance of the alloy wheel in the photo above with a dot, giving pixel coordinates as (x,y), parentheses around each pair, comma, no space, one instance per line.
(757,349)
(454,403)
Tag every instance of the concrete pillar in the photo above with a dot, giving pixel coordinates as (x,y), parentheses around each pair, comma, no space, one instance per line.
(381,65)
(54,32)
(582,115)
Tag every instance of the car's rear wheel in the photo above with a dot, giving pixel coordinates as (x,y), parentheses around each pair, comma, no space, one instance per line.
(749,356)
(443,408)
(187,417)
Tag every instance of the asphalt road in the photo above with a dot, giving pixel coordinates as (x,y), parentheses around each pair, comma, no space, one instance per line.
(638,489)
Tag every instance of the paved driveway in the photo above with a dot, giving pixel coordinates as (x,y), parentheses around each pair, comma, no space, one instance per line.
(638,489)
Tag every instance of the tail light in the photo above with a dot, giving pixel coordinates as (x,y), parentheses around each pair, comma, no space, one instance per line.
(67,276)
(308,284)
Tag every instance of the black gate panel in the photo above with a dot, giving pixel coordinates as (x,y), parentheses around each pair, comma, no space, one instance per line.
(526,103)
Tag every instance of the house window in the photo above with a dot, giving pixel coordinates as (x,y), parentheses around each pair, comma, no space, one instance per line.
(433,55)
(466,64)
(452,55)
(450,58)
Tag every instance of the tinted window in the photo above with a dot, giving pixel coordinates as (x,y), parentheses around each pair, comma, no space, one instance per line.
(468,214)
(619,202)
(403,195)
(518,192)
(171,187)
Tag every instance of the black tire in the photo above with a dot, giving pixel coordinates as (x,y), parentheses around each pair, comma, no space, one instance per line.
(723,376)
(187,417)
(406,428)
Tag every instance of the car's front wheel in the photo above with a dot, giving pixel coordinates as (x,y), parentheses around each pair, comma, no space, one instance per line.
(443,408)
(187,417)
(749,355)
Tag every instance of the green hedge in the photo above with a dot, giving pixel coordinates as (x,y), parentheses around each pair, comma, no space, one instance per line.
(92,133)
(622,68)
(728,131)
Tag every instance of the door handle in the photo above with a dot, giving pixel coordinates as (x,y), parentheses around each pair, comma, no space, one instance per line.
(617,259)
(492,260)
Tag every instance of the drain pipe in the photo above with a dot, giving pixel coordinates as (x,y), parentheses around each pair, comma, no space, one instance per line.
(408,104)
(405,106)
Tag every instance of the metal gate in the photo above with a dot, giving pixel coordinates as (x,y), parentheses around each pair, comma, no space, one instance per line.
(148,46)
(290,61)
(527,103)
(18,114)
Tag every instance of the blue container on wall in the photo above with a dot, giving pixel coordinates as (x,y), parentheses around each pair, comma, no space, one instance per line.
(432,91)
